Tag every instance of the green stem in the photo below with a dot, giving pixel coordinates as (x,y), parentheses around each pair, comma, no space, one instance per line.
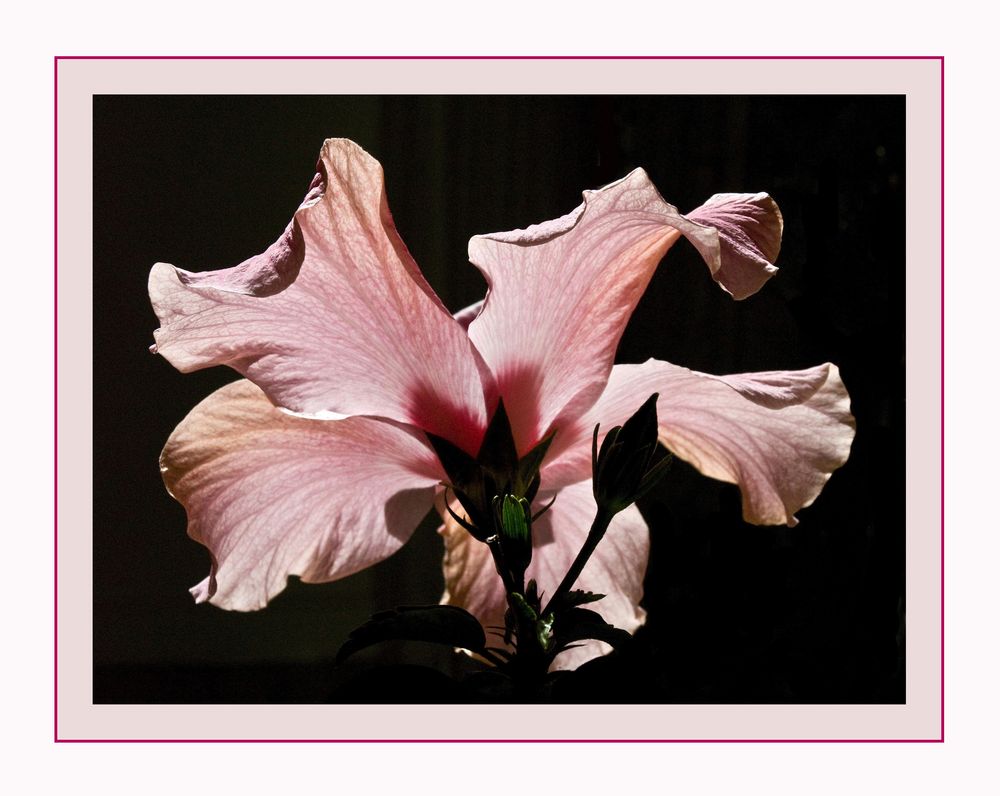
(493,543)
(528,665)
(509,587)
(597,531)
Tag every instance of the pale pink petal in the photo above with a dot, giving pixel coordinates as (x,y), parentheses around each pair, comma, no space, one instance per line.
(778,435)
(334,319)
(746,242)
(272,495)
(616,568)
(467,315)
(561,293)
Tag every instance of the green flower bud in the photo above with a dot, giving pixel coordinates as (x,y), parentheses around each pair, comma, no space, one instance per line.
(512,520)
(630,461)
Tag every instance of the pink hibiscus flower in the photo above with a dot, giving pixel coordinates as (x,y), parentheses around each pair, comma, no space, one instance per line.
(318,464)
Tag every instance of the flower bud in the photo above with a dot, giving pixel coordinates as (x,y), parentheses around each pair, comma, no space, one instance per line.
(512,520)
(630,461)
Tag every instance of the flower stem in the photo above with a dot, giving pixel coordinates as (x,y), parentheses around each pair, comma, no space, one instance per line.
(493,543)
(597,530)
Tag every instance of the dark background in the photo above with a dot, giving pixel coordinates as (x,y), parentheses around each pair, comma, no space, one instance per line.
(737,613)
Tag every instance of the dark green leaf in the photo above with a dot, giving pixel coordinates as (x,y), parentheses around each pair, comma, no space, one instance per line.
(523,608)
(500,652)
(579,597)
(578,624)
(440,624)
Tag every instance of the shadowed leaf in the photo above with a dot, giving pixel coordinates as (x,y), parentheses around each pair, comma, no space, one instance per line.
(440,624)
(579,624)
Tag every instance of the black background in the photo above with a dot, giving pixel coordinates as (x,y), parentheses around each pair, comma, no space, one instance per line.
(737,613)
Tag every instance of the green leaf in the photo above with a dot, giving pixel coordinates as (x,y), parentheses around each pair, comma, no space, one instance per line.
(579,597)
(439,624)
(579,624)
(543,631)
(522,606)
(500,652)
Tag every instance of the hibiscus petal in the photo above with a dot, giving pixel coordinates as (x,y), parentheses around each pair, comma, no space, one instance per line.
(560,293)
(743,240)
(469,314)
(616,569)
(335,318)
(778,435)
(272,495)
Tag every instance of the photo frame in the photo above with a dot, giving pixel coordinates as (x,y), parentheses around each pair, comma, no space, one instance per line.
(86,88)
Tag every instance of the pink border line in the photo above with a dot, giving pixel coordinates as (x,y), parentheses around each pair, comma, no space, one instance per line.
(942,400)
(58,58)
(55,383)
(498,58)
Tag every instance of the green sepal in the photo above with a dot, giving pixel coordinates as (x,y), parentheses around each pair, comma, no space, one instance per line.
(654,474)
(459,465)
(498,451)
(641,427)
(474,530)
(527,480)
(544,508)
(494,472)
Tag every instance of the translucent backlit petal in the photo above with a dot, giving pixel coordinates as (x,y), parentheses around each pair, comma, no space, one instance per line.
(334,318)
(778,435)
(272,495)
(560,293)
(745,243)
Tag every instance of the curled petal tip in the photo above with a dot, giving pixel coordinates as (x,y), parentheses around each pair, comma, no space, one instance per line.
(742,242)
